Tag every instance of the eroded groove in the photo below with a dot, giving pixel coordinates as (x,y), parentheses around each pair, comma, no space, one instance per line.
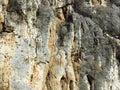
(91,81)
(53,44)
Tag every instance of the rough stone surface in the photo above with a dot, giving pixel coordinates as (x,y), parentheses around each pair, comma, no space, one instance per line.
(59,45)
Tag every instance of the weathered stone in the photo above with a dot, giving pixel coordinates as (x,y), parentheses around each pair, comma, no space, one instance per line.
(59,45)
(4,2)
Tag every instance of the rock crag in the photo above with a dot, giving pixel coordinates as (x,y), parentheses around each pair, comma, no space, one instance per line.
(59,44)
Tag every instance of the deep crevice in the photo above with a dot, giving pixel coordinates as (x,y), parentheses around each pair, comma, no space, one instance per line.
(66,12)
(63,82)
(91,81)
(71,86)
(47,81)
(118,54)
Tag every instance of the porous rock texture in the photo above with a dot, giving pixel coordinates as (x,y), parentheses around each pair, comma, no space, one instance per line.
(59,45)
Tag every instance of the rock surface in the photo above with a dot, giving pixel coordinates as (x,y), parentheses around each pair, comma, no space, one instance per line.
(59,45)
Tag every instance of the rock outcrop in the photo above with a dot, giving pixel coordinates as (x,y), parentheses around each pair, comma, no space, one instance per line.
(59,45)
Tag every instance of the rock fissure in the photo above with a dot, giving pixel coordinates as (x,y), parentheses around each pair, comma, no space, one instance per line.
(59,45)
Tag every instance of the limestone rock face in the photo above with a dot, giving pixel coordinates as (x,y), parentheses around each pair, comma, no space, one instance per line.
(59,45)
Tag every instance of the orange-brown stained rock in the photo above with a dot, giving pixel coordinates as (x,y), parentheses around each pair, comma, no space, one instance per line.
(1,27)
(4,2)
(7,40)
(94,2)
(53,28)
(1,17)
(51,43)
(98,2)
(1,20)
(34,76)
(5,73)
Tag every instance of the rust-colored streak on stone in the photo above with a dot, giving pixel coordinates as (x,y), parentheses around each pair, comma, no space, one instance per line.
(51,43)
(1,17)
(5,73)
(76,61)
(59,19)
(1,20)
(52,38)
(4,2)
(34,77)
(50,78)
(7,40)
(95,2)
(98,2)
(44,87)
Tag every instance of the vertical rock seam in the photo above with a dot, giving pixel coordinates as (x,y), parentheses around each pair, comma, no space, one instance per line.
(59,45)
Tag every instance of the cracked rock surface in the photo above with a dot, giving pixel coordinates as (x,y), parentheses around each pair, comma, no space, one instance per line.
(59,45)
